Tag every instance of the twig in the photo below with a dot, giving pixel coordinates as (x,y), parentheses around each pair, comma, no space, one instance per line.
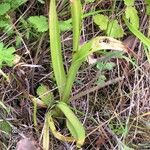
(81,94)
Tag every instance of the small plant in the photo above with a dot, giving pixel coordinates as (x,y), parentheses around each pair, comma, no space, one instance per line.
(7,58)
(65,79)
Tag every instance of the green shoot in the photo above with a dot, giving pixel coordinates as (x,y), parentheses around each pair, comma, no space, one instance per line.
(55,44)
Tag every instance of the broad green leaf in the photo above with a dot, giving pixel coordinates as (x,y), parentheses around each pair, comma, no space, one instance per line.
(39,22)
(129,2)
(71,129)
(4,8)
(132,14)
(76,125)
(76,12)
(101,21)
(6,55)
(45,94)
(114,29)
(55,45)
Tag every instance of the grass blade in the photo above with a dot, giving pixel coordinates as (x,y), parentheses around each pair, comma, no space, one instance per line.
(55,44)
(76,12)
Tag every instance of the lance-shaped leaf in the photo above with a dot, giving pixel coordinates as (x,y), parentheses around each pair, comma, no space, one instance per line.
(96,44)
(76,12)
(55,44)
(75,126)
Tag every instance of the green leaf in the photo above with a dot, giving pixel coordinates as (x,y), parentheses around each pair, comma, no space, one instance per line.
(39,22)
(101,80)
(15,3)
(101,21)
(4,8)
(139,35)
(75,125)
(129,2)
(6,55)
(65,25)
(96,44)
(5,127)
(55,45)
(105,66)
(76,12)
(45,94)
(114,29)
(132,15)
(3,23)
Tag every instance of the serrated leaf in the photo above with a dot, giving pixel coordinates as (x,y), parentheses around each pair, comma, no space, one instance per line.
(45,94)
(101,21)
(6,55)
(39,22)
(114,29)
(129,2)
(132,14)
(4,8)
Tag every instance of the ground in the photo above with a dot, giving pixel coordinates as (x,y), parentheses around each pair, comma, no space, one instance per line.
(115,113)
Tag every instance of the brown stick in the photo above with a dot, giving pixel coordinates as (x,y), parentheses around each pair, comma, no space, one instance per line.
(81,94)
